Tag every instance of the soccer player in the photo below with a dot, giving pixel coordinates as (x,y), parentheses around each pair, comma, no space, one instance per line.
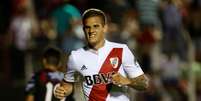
(41,85)
(104,65)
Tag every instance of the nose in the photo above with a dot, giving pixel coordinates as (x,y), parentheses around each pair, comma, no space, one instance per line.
(91,30)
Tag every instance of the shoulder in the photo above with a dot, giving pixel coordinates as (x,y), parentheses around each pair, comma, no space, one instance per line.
(77,51)
(116,45)
(76,54)
(39,76)
(126,49)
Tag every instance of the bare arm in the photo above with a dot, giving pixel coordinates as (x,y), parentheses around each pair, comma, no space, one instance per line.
(139,83)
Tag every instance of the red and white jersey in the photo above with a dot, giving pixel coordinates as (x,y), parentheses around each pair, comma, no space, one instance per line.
(98,66)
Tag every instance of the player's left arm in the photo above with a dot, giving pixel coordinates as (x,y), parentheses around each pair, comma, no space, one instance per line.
(139,83)
(135,75)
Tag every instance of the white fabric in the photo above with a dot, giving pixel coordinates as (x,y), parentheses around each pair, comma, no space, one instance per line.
(117,97)
(88,63)
(21,26)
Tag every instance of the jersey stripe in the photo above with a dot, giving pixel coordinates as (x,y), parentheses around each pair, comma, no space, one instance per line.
(100,92)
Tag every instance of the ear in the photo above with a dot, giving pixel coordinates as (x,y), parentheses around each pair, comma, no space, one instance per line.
(84,30)
(105,28)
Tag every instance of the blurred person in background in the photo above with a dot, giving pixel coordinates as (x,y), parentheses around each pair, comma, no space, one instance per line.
(148,12)
(41,85)
(171,76)
(173,29)
(67,20)
(21,29)
(150,31)
(65,17)
(130,28)
(46,35)
(112,7)
(74,39)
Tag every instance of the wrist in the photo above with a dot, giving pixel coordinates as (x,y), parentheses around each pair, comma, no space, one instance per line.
(127,82)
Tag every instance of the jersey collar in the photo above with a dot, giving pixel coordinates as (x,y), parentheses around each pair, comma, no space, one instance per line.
(97,51)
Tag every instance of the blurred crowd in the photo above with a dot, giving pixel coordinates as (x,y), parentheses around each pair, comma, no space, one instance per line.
(164,35)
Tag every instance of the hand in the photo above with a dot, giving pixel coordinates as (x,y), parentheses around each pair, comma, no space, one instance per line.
(61,91)
(119,80)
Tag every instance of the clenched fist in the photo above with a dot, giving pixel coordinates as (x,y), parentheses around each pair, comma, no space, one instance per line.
(119,80)
(62,90)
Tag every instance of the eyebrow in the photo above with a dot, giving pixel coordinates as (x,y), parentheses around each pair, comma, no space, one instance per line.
(94,25)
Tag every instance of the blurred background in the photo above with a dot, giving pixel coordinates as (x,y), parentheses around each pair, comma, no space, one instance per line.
(164,35)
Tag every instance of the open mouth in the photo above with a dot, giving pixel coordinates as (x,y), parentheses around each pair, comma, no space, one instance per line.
(92,36)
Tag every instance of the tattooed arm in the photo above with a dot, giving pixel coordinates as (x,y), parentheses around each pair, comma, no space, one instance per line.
(139,83)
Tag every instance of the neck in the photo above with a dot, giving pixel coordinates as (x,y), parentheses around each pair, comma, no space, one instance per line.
(98,45)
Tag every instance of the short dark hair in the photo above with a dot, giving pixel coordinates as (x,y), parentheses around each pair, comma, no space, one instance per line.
(52,55)
(94,12)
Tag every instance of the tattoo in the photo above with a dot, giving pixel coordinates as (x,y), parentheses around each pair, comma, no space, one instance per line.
(140,83)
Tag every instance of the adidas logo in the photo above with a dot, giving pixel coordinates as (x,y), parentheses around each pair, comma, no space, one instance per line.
(83,67)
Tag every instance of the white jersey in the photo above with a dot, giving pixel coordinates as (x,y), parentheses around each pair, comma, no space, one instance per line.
(97,68)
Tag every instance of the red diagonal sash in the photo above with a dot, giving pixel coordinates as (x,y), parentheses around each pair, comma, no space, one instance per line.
(100,92)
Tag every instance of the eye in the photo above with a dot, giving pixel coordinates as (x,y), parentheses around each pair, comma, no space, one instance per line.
(86,27)
(96,26)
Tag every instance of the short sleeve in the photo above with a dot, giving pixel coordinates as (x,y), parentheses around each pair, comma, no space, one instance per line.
(130,64)
(69,75)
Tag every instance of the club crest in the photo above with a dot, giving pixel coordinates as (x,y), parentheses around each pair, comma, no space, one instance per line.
(114,62)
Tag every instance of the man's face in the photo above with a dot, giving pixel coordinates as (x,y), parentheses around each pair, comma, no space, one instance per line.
(94,30)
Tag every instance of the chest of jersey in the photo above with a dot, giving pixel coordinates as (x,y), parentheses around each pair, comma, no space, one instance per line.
(97,68)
